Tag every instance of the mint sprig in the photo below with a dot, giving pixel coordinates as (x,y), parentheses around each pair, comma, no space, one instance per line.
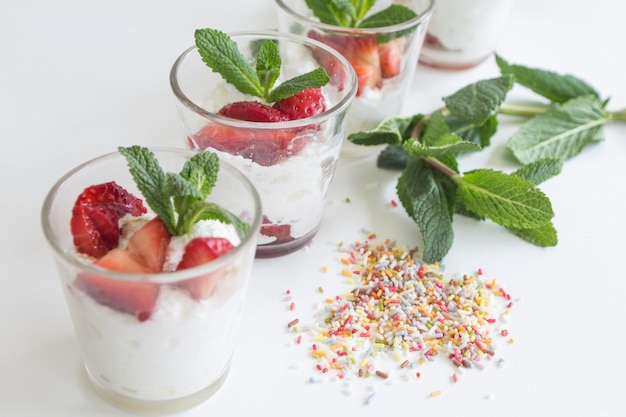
(427,147)
(220,53)
(353,14)
(179,199)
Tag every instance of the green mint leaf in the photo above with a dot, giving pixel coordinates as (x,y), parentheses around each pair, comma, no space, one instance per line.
(201,170)
(480,135)
(268,65)
(478,102)
(540,170)
(560,133)
(392,15)
(220,53)
(334,12)
(204,210)
(393,157)
(150,180)
(543,236)
(555,87)
(426,201)
(392,130)
(507,200)
(314,79)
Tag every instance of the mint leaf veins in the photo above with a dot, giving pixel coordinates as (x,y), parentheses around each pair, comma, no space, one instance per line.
(179,199)
(220,53)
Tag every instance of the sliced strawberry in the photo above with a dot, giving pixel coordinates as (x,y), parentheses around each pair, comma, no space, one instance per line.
(306,103)
(199,251)
(136,298)
(265,147)
(361,52)
(148,245)
(282,232)
(253,111)
(95,215)
(390,55)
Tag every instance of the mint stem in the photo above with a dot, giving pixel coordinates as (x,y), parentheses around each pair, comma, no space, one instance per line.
(523,110)
(619,115)
(440,166)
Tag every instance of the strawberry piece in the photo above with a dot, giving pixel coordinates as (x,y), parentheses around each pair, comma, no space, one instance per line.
(199,251)
(282,232)
(136,298)
(361,52)
(252,111)
(95,215)
(306,103)
(148,245)
(390,55)
(265,147)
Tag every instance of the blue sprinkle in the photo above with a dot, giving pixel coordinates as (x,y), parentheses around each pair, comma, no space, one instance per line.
(312,380)
(370,398)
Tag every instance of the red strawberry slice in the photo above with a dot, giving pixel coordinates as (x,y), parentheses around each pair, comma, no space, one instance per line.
(199,251)
(282,232)
(95,215)
(253,111)
(390,55)
(265,147)
(306,103)
(136,298)
(148,245)
(361,52)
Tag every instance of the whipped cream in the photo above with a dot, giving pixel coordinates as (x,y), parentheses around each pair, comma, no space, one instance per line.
(184,347)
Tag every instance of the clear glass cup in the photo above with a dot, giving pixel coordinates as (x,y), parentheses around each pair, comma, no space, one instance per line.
(382,93)
(181,354)
(290,163)
(464,33)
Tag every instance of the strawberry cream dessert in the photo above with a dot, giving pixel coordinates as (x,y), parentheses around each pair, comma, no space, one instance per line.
(276,110)
(157,300)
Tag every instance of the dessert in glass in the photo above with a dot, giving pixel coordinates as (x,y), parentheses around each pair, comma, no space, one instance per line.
(155,272)
(464,33)
(286,143)
(382,41)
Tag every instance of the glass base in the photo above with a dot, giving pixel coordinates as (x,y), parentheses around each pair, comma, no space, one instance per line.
(451,65)
(157,407)
(274,250)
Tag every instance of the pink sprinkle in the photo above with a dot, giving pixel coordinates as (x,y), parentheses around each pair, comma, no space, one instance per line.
(288,292)
(292,306)
(393,203)
(504,332)
(455,378)
(299,339)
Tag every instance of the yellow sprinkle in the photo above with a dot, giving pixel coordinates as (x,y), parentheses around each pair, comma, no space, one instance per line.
(324,269)
(435,394)
(511,341)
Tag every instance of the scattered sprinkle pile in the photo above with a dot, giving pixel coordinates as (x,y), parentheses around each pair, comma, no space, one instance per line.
(406,310)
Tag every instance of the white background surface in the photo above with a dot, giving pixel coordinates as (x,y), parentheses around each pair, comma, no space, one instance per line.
(79,78)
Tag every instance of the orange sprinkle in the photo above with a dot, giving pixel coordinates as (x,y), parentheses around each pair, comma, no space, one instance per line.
(345,261)
(346,273)
(435,394)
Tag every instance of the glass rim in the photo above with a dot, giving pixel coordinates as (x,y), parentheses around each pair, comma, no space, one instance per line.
(77,261)
(338,107)
(420,18)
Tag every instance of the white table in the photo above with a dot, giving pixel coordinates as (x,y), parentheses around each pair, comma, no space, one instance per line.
(79,78)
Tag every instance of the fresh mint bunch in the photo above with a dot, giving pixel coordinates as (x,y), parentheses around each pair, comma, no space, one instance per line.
(426,148)
(179,199)
(222,55)
(353,14)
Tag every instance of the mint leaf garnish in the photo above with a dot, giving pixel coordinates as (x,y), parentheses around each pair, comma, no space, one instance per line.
(220,53)
(353,14)
(561,132)
(540,170)
(477,102)
(425,201)
(179,199)
(506,199)
(555,87)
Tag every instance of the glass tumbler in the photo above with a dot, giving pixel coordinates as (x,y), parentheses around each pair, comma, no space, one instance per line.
(290,163)
(179,353)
